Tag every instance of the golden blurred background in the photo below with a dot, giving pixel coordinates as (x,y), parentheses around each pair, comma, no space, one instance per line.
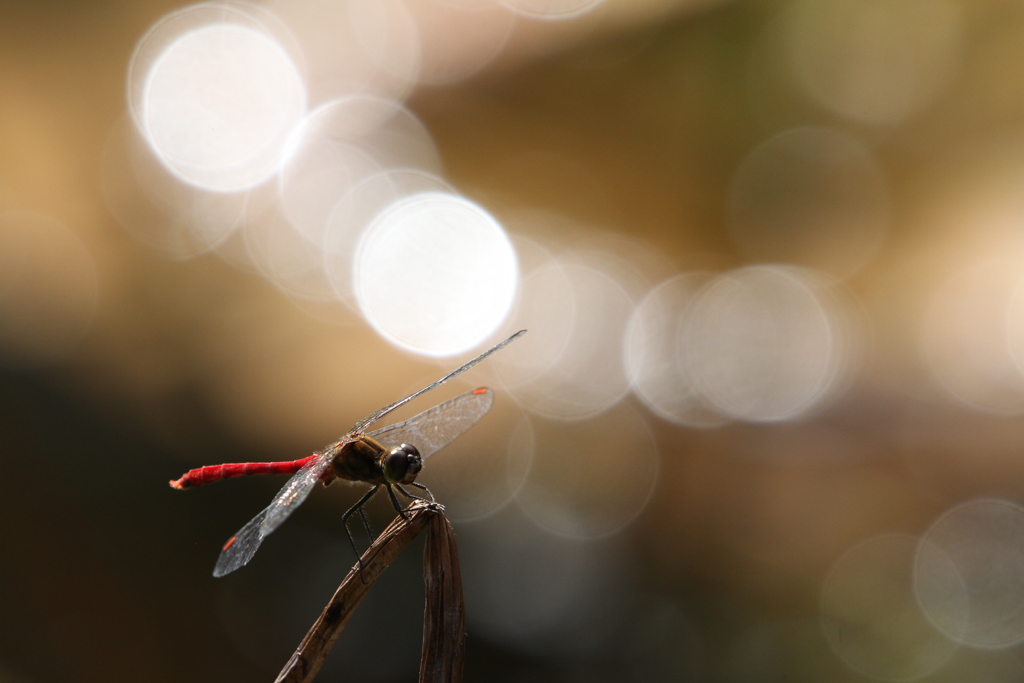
(766,424)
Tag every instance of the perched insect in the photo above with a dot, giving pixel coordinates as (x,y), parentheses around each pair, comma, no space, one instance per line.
(384,458)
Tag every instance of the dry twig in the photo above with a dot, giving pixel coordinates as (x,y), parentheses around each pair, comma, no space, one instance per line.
(444,618)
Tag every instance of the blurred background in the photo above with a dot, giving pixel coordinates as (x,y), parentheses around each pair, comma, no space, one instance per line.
(767,421)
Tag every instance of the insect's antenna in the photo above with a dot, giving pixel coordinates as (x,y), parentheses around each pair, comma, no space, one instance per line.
(374,416)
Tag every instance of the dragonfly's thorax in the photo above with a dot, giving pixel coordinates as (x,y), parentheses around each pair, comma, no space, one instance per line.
(359,460)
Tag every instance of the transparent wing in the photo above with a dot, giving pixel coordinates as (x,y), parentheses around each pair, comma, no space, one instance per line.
(242,546)
(432,430)
(378,414)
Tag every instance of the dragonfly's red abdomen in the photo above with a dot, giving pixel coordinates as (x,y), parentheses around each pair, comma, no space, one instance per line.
(211,473)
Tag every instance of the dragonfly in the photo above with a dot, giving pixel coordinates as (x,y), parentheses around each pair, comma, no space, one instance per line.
(388,458)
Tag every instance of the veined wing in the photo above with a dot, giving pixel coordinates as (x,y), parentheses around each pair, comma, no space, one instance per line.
(242,546)
(378,414)
(432,430)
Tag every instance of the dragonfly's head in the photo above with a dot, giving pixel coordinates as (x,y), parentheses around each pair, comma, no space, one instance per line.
(402,464)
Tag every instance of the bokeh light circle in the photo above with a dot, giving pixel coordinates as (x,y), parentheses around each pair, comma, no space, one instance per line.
(759,343)
(484,469)
(284,255)
(544,306)
(482,29)
(1015,326)
(870,617)
(965,336)
(155,207)
(539,593)
(341,144)
(354,46)
(218,103)
(876,61)
(969,573)
(435,273)
(590,478)
(658,377)
(580,312)
(551,9)
(357,209)
(811,196)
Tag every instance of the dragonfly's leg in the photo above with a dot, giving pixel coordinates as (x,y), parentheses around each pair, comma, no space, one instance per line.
(366,523)
(348,513)
(419,486)
(394,501)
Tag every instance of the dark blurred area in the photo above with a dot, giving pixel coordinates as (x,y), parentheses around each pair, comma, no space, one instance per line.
(766,425)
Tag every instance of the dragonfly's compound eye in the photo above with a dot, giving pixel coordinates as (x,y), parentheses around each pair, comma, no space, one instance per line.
(402,464)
